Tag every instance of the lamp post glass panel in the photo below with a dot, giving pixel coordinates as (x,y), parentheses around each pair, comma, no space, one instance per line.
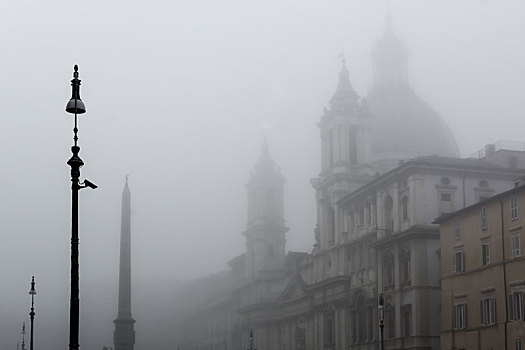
(381,316)
(75,106)
(32,292)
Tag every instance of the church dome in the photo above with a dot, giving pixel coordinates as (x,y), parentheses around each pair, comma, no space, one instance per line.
(404,125)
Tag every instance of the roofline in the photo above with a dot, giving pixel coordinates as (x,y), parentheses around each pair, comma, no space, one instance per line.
(417,162)
(236,259)
(496,197)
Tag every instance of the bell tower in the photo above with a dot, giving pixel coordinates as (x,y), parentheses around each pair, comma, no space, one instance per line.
(345,157)
(265,232)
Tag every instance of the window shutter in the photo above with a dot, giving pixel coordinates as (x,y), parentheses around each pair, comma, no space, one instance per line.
(493,311)
(522,306)
(511,307)
(465,314)
(454,317)
(481,312)
(454,263)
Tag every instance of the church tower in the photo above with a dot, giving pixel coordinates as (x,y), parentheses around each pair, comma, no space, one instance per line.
(265,233)
(124,335)
(345,156)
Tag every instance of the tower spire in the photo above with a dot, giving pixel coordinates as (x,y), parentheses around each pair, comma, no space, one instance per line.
(124,335)
(265,165)
(345,98)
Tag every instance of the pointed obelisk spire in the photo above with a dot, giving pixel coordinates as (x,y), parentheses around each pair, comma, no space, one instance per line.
(124,336)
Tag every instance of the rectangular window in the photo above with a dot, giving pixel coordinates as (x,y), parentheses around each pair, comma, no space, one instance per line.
(484,220)
(516,245)
(445,197)
(389,274)
(330,148)
(485,253)
(353,329)
(362,326)
(390,324)
(488,311)
(516,310)
(329,330)
(346,220)
(370,325)
(404,271)
(361,219)
(369,214)
(459,316)
(457,232)
(353,145)
(514,208)
(518,345)
(405,208)
(459,261)
(406,320)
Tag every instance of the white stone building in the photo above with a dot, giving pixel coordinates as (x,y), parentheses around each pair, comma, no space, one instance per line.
(389,167)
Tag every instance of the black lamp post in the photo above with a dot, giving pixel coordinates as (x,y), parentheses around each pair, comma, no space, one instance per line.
(23,336)
(251,340)
(381,314)
(75,106)
(32,292)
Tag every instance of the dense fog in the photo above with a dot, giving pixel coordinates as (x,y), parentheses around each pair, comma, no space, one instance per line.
(180,95)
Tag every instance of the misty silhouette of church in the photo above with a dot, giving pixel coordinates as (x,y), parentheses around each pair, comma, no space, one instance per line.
(389,166)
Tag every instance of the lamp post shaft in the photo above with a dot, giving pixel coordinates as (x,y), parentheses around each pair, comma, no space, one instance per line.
(32,315)
(75,163)
(382,328)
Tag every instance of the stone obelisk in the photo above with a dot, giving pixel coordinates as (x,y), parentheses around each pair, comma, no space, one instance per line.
(124,335)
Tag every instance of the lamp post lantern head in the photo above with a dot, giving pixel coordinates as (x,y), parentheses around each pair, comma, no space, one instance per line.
(75,104)
(381,308)
(381,301)
(32,291)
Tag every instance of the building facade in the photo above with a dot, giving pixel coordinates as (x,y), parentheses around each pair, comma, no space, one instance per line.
(378,194)
(483,274)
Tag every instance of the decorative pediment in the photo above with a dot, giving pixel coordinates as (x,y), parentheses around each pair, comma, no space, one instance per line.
(295,290)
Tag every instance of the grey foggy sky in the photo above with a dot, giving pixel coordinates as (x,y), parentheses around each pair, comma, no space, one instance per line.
(179,95)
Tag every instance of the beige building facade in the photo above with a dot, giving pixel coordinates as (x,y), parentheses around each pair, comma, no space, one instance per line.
(483,274)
